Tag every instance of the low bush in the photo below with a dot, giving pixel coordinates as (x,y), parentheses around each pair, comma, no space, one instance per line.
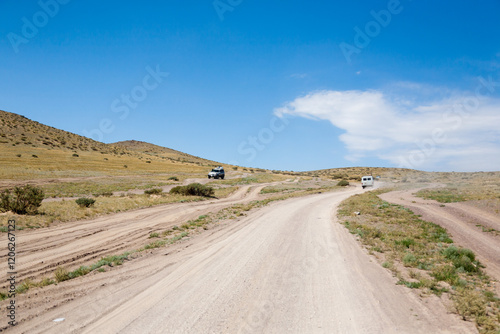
(343,183)
(462,258)
(153,191)
(173,178)
(85,202)
(409,259)
(193,189)
(22,200)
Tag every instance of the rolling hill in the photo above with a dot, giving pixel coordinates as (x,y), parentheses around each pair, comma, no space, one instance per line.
(31,150)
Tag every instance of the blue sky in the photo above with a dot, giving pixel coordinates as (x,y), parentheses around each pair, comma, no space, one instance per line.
(281,85)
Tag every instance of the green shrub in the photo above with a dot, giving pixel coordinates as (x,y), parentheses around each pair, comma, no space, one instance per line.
(343,183)
(153,191)
(193,189)
(409,259)
(407,242)
(82,271)
(462,258)
(22,200)
(85,202)
(174,178)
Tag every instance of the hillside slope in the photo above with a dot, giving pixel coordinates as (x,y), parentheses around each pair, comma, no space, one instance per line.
(160,151)
(32,150)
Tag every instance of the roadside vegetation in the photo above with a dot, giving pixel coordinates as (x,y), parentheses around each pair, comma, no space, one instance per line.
(461,193)
(21,200)
(100,186)
(88,208)
(422,256)
(193,189)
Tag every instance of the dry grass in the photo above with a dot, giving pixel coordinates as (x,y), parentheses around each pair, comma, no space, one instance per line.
(224,191)
(98,186)
(305,183)
(463,192)
(254,178)
(68,210)
(163,152)
(55,163)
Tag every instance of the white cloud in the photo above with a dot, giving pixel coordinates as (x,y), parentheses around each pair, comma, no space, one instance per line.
(458,132)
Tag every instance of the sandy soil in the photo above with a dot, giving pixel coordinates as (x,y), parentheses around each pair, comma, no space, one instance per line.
(289,267)
(461,220)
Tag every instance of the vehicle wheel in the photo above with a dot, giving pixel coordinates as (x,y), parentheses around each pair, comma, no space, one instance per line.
(363,187)
(222,177)
(209,176)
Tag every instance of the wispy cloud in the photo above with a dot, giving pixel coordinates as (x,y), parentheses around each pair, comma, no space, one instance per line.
(458,131)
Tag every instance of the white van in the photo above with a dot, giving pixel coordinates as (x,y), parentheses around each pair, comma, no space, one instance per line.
(367,181)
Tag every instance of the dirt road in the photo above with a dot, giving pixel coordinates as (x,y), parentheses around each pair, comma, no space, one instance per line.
(463,221)
(84,242)
(287,268)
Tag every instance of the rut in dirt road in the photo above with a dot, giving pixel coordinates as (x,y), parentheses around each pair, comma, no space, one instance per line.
(285,268)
